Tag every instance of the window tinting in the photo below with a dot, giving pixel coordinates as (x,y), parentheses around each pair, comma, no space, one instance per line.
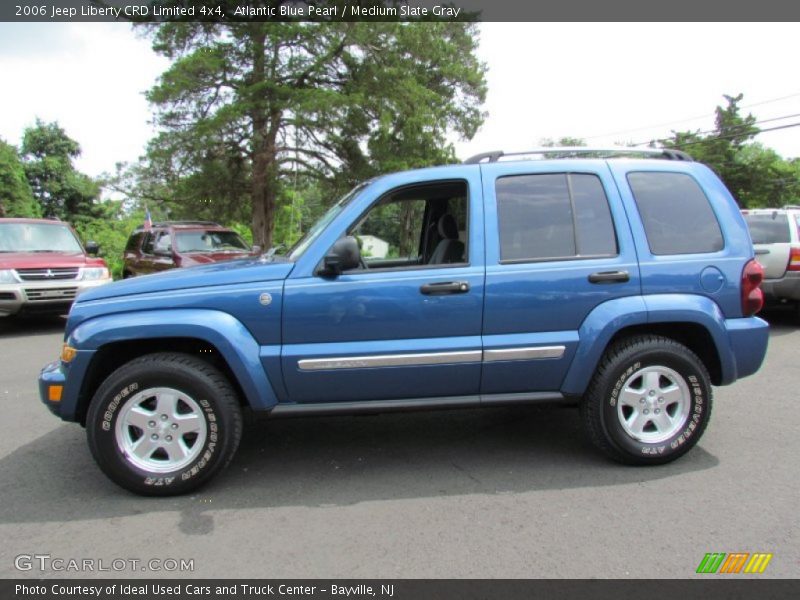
(133,242)
(553,216)
(147,246)
(772,228)
(676,214)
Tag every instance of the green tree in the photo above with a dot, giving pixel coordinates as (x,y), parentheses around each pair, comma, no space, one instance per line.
(16,198)
(60,189)
(725,149)
(562,141)
(245,108)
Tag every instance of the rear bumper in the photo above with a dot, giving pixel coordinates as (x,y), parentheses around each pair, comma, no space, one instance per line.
(785,288)
(748,341)
(42,296)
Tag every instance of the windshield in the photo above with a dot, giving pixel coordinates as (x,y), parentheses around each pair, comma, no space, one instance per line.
(769,228)
(210,241)
(317,228)
(38,237)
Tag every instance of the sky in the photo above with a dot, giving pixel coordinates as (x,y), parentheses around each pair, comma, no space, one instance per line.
(604,82)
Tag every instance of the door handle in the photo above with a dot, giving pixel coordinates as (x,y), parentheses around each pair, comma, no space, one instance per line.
(759,251)
(446,287)
(609,277)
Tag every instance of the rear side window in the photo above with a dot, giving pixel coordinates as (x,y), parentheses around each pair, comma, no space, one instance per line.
(553,216)
(133,242)
(676,214)
(769,228)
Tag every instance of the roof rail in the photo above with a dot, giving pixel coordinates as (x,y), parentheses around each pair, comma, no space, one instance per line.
(791,207)
(572,151)
(170,223)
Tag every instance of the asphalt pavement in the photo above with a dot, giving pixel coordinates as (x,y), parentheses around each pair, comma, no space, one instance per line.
(512,492)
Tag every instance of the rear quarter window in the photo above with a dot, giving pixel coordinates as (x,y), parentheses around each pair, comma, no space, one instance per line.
(676,214)
(769,228)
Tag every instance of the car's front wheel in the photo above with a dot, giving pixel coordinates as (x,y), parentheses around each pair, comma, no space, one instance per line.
(649,401)
(164,424)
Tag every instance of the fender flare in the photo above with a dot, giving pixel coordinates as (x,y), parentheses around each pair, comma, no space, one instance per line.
(607,319)
(226,333)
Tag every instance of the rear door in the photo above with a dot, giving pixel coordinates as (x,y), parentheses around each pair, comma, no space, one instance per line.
(771,234)
(558,245)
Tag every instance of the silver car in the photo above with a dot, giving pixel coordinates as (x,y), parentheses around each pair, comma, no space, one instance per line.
(777,247)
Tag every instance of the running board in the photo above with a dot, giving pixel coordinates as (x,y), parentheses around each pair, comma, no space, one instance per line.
(412,404)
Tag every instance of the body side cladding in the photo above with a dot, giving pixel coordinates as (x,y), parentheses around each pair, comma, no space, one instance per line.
(611,317)
(227,334)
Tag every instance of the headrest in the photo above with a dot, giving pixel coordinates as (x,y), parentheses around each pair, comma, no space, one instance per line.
(447,227)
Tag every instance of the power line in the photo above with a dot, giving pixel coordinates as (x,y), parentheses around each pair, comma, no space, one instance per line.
(770,101)
(727,137)
(737,129)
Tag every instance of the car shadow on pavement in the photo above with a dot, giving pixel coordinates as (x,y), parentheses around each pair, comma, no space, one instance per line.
(782,320)
(40,325)
(337,461)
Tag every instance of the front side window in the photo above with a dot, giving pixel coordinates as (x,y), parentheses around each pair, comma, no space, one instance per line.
(553,216)
(676,214)
(415,226)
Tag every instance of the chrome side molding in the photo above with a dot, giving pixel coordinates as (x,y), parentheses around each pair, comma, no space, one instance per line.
(430,358)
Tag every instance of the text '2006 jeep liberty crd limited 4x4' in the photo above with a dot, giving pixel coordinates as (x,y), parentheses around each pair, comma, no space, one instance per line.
(626,283)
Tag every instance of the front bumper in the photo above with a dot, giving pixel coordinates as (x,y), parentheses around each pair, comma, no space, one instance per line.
(42,296)
(68,377)
(785,288)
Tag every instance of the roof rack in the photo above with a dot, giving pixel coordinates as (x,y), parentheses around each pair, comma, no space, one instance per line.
(170,223)
(572,151)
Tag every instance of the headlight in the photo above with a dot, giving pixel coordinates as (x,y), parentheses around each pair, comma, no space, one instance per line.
(94,273)
(7,276)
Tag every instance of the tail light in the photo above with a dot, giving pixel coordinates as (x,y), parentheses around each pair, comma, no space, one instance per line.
(752,296)
(794,259)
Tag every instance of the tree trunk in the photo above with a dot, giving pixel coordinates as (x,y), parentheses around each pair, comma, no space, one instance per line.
(264,180)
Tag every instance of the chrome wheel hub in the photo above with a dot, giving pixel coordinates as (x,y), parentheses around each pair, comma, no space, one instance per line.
(160,430)
(654,404)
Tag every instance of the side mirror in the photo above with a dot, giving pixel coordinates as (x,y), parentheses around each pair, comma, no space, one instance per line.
(343,255)
(92,248)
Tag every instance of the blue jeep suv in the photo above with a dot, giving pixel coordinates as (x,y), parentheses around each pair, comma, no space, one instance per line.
(623,280)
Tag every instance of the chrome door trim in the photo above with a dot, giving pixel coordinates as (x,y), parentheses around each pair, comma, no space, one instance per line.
(389,360)
(430,358)
(528,353)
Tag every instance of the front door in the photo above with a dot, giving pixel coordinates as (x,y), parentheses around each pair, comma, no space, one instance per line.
(407,323)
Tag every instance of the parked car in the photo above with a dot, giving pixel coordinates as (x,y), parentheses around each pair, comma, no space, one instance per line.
(628,285)
(170,244)
(777,247)
(43,266)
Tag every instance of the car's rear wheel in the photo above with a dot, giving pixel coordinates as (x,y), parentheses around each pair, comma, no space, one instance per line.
(649,401)
(164,424)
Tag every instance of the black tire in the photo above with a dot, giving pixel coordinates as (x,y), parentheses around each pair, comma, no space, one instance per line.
(213,407)
(609,419)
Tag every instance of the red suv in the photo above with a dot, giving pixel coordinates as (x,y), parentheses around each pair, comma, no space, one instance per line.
(170,244)
(43,266)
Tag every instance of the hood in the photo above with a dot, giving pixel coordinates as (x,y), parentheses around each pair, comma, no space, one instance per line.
(41,260)
(225,273)
(204,258)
